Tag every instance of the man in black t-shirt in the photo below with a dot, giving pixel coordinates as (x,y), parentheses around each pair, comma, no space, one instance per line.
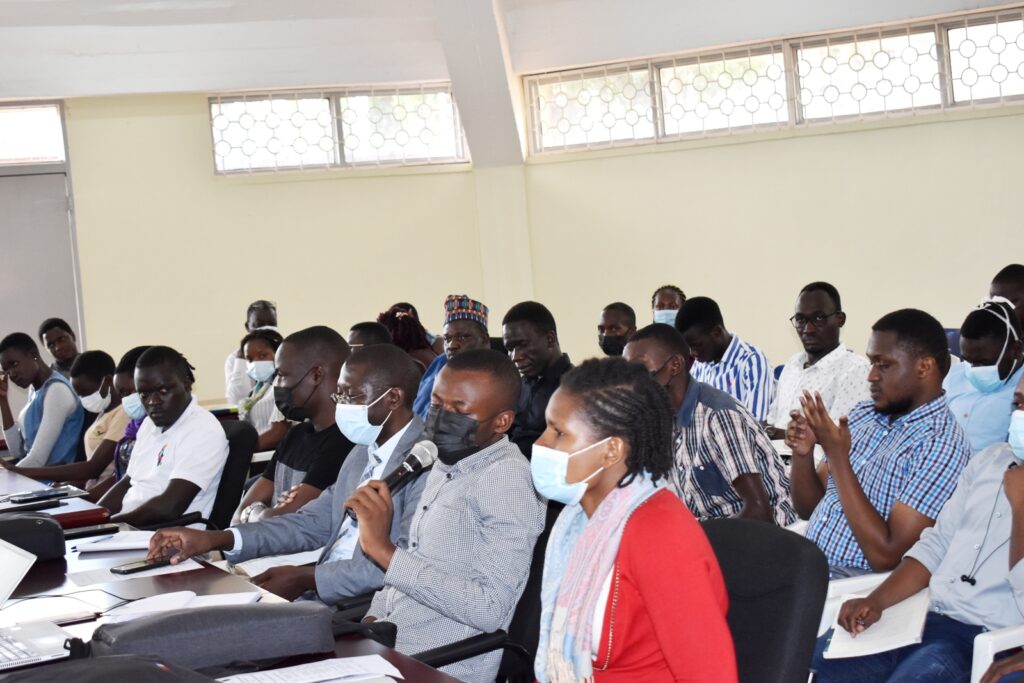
(310,454)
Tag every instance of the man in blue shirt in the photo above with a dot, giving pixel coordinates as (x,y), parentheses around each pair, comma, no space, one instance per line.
(979,390)
(465,328)
(892,463)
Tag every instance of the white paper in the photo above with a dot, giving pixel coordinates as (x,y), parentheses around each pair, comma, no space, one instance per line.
(258,565)
(345,669)
(178,600)
(94,576)
(900,625)
(126,540)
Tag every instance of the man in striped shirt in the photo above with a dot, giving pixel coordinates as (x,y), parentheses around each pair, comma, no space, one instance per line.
(723,360)
(726,464)
(891,465)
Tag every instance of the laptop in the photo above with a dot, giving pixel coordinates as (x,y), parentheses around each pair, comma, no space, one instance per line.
(24,644)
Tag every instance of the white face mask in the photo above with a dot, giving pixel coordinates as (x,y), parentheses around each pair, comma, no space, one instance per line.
(96,402)
(549,468)
(665,316)
(260,370)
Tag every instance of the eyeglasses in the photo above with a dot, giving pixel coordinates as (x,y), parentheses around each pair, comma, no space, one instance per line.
(347,399)
(800,321)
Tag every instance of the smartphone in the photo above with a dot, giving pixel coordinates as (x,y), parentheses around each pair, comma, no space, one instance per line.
(141,566)
(86,531)
(37,496)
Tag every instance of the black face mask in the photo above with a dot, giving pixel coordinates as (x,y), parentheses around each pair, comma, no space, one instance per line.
(453,434)
(612,345)
(284,401)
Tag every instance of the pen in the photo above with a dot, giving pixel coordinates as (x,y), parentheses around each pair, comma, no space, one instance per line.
(74,548)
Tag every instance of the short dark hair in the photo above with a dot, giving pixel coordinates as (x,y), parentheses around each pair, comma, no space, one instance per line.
(21,342)
(374,332)
(625,309)
(830,291)
(701,312)
(498,365)
(1011,274)
(669,288)
(128,360)
(666,335)
(51,323)
(987,321)
(322,343)
(917,332)
(271,338)
(622,399)
(388,366)
(260,306)
(165,355)
(531,312)
(93,364)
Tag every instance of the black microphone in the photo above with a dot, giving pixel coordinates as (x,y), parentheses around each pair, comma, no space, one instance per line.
(422,456)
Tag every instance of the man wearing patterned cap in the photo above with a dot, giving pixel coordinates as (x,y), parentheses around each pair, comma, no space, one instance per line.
(465,328)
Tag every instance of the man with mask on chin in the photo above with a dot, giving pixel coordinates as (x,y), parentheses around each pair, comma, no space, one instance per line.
(374,410)
(616,325)
(891,465)
(471,539)
(307,460)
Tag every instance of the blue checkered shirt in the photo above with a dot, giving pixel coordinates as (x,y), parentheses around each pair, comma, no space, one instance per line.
(916,460)
(744,374)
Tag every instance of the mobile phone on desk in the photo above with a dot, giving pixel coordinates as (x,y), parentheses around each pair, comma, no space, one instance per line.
(36,496)
(141,566)
(96,530)
(31,507)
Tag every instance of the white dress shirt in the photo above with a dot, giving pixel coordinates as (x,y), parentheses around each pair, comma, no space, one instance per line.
(841,377)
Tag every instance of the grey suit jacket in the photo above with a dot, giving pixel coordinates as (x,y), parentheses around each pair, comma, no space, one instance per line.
(318,522)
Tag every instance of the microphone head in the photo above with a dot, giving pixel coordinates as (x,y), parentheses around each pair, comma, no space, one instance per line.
(425,452)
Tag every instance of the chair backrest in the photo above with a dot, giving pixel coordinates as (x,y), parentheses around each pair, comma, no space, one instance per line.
(777,581)
(242,439)
(778,371)
(953,341)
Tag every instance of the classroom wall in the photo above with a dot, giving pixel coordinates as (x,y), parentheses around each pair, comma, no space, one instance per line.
(916,212)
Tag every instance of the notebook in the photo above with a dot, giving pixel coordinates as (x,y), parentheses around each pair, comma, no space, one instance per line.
(900,625)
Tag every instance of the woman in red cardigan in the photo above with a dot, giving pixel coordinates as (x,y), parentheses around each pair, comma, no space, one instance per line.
(632,590)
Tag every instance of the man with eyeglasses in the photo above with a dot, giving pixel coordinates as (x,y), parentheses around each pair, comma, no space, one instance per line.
(825,365)
(374,409)
(465,328)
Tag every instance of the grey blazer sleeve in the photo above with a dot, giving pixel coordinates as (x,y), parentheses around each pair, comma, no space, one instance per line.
(308,528)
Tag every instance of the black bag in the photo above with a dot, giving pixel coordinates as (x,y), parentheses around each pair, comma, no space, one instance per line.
(134,668)
(34,532)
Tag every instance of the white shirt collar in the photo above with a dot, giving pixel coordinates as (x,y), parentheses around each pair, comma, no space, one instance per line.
(382,453)
(833,356)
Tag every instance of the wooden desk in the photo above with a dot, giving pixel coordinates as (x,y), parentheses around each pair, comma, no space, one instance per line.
(73,513)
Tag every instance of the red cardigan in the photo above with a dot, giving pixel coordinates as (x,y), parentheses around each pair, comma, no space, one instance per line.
(665,620)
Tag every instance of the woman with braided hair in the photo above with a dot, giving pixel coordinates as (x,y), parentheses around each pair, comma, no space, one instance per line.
(632,590)
(408,334)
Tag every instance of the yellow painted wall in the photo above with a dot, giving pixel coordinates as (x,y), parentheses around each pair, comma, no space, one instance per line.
(918,212)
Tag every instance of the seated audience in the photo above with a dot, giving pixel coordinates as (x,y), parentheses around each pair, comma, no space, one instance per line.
(124,382)
(408,334)
(891,465)
(49,427)
(979,389)
(666,302)
(971,562)
(531,340)
(258,408)
(723,360)
(261,314)
(606,454)
(368,334)
(309,456)
(616,325)
(386,377)
(56,335)
(179,452)
(472,538)
(1009,284)
(465,328)
(725,465)
(92,377)
(825,365)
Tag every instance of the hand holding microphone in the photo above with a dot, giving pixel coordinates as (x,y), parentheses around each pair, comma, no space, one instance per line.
(420,457)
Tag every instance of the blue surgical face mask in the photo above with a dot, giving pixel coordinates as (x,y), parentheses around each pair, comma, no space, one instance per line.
(666,316)
(1016,438)
(354,422)
(260,370)
(132,405)
(985,378)
(549,468)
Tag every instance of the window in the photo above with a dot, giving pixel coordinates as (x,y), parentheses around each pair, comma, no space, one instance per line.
(380,127)
(31,134)
(986,59)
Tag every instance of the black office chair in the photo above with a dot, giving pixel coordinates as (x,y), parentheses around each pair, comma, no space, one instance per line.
(242,438)
(777,581)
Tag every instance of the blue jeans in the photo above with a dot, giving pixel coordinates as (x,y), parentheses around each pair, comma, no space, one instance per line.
(944,654)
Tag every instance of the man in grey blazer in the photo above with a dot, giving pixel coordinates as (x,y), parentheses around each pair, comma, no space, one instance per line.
(375,394)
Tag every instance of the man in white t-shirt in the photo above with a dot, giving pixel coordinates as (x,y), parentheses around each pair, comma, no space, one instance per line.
(180,450)
(825,365)
(237,384)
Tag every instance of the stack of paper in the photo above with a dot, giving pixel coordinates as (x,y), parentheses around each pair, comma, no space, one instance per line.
(371,668)
(178,600)
(126,540)
(900,625)
(258,565)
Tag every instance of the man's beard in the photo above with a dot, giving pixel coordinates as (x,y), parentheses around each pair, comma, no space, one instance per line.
(896,407)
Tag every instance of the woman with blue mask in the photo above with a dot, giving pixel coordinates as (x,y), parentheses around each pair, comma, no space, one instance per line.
(258,408)
(979,389)
(625,552)
(666,302)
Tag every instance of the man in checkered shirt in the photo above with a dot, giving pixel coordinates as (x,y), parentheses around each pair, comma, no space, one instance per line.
(471,542)
(892,463)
